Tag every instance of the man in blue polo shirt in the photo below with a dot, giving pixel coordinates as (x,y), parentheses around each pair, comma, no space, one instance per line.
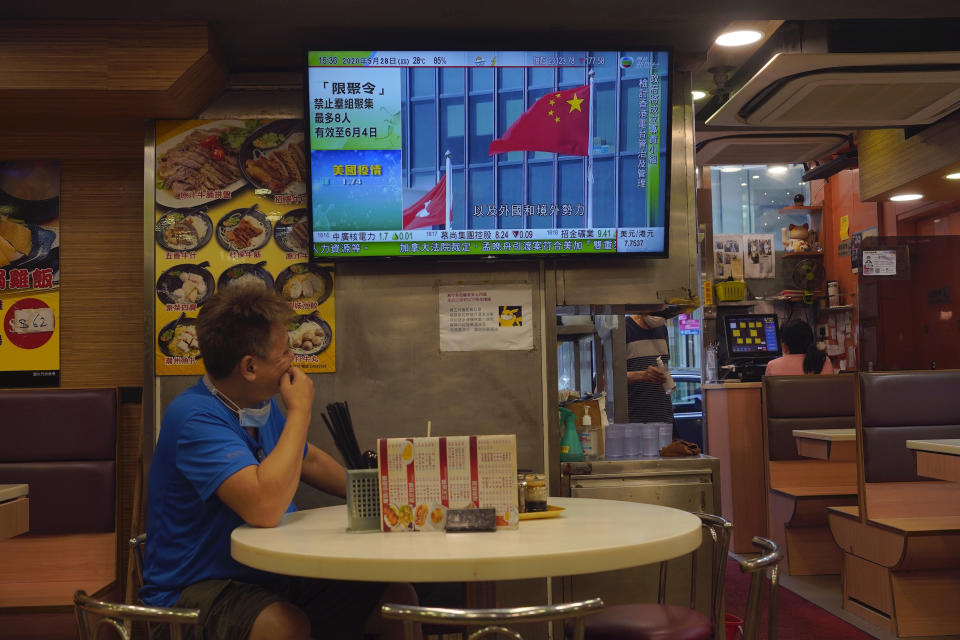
(226,456)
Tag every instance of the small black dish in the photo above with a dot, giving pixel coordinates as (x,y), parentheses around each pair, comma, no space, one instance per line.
(167,338)
(282,231)
(297,322)
(263,142)
(235,275)
(236,217)
(305,269)
(170,281)
(190,241)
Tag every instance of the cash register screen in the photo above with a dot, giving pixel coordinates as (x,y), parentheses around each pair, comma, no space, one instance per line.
(752,336)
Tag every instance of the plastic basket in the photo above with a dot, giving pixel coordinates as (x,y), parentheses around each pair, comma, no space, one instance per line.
(363,500)
(727,291)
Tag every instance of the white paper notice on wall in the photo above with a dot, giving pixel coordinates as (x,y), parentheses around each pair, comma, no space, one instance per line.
(880,263)
(497,317)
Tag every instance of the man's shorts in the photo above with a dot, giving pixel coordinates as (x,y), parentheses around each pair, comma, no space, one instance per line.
(228,608)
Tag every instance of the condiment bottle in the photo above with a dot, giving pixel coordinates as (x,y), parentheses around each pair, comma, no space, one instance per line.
(588,438)
(536,492)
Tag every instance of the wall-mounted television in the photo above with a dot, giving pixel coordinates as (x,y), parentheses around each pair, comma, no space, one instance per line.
(488,153)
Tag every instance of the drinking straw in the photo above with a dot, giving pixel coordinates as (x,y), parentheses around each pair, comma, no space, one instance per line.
(428,428)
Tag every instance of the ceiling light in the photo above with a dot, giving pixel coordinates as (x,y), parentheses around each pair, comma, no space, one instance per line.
(738,38)
(776,169)
(698,94)
(755,177)
(952,176)
(906,197)
(743,184)
(730,169)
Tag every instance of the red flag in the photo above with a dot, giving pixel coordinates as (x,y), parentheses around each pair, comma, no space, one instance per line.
(557,122)
(428,210)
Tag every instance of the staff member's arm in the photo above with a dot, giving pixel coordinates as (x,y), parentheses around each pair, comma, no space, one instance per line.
(650,374)
(260,494)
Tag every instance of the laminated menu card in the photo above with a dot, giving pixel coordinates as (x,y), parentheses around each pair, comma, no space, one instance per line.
(422,478)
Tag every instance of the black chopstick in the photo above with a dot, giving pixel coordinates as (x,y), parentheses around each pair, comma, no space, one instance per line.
(336,438)
(355,446)
(341,429)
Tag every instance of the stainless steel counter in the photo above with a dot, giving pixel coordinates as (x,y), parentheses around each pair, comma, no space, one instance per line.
(688,483)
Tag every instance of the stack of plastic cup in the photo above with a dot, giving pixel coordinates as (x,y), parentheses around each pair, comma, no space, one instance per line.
(649,440)
(632,445)
(614,441)
(666,433)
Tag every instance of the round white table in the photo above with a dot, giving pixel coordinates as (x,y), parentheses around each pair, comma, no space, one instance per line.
(589,536)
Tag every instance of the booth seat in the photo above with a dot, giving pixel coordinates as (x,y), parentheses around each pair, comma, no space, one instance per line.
(901,567)
(62,443)
(800,488)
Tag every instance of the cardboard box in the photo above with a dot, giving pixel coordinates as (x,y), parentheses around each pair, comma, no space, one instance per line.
(421,478)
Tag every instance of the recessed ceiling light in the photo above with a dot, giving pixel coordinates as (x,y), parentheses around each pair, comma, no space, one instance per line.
(906,197)
(730,169)
(952,176)
(738,38)
(755,177)
(743,184)
(777,169)
(698,94)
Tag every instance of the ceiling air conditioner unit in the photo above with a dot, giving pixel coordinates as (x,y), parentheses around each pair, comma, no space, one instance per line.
(846,91)
(765,147)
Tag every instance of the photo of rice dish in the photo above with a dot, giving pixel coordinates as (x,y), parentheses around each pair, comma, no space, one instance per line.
(247,280)
(179,339)
(246,275)
(183,232)
(292,231)
(310,337)
(282,169)
(243,230)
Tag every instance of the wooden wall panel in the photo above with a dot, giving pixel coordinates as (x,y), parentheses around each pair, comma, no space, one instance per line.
(101,266)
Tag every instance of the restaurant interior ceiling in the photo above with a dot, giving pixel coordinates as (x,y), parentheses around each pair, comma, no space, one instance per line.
(755,110)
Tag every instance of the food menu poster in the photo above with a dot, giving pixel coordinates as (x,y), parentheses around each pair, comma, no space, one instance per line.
(231,211)
(422,478)
(30,273)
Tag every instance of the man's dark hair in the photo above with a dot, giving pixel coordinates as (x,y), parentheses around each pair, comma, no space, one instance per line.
(235,322)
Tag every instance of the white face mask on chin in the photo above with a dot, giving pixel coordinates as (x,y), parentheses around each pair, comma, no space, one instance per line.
(254,418)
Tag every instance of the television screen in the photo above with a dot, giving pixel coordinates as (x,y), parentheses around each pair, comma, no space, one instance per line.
(488,153)
(752,336)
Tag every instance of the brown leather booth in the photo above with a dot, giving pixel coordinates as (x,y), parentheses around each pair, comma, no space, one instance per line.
(801,488)
(901,569)
(804,402)
(62,443)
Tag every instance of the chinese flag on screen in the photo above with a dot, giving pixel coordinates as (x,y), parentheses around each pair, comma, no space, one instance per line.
(428,210)
(558,122)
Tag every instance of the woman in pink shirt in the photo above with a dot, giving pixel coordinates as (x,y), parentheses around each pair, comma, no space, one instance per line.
(800,353)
